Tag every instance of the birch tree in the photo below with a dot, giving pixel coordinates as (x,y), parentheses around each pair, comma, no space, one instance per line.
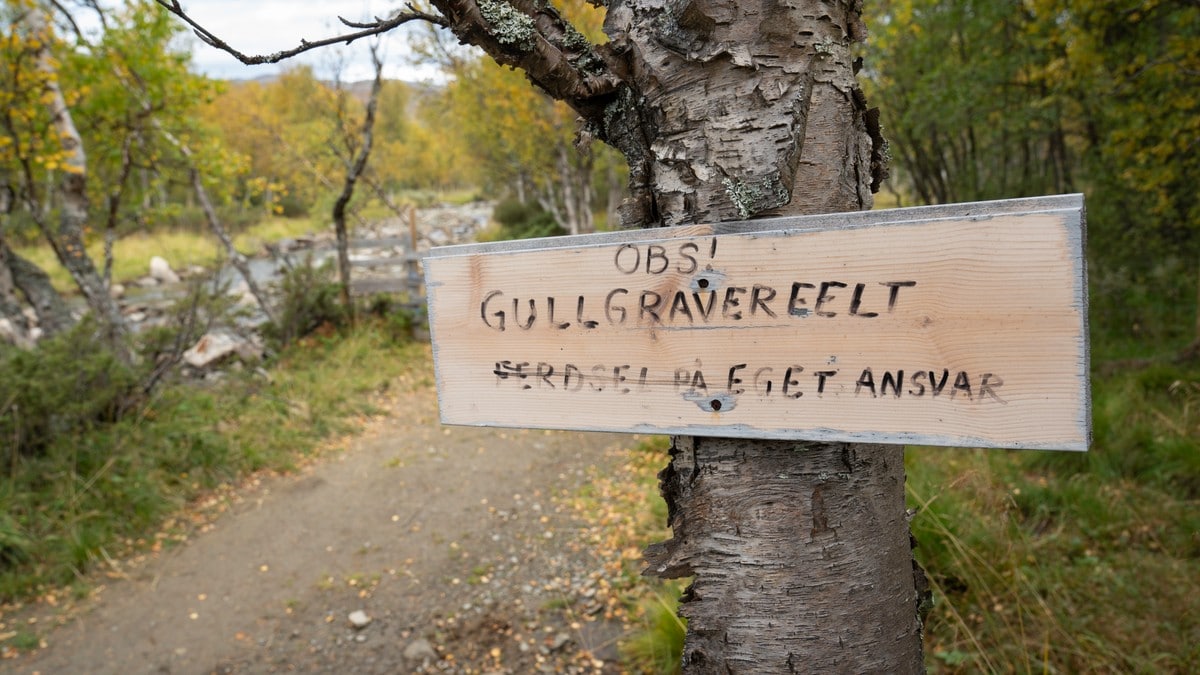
(800,552)
(46,145)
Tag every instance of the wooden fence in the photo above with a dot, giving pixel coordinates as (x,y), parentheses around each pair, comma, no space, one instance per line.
(405,276)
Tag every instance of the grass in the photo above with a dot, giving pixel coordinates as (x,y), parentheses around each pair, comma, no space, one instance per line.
(1036,569)
(1039,561)
(131,254)
(656,645)
(99,492)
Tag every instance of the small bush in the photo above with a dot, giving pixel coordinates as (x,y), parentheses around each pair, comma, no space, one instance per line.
(291,206)
(15,546)
(68,384)
(524,221)
(396,315)
(309,299)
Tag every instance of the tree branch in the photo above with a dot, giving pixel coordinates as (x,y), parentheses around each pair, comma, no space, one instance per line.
(354,168)
(534,37)
(368,29)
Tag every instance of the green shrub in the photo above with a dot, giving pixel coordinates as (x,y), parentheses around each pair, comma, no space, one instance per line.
(397,315)
(309,299)
(1141,312)
(15,546)
(524,221)
(68,384)
(291,206)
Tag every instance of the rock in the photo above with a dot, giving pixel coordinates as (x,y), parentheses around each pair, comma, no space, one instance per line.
(214,347)
(116,291)
(146,282)
(247,299)
(559,642)
(359,619)
(161,271)
(135,317)
(419,651)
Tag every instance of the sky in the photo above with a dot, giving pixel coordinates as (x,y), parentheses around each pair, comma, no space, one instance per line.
(264,26)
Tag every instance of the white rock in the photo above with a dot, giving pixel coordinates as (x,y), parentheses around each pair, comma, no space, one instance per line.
(211,348)
(116,291)
(247,300)
(8,332)
(161,270)
(359,619)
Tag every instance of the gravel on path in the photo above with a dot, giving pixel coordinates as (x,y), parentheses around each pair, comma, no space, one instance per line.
(420,548)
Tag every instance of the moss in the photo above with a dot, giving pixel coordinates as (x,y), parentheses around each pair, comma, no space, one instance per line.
(508,25)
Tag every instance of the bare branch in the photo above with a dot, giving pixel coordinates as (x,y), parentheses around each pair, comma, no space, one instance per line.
(534,37)
(368,29)
(114,204)
(214,221)
(354,169)
(66,15)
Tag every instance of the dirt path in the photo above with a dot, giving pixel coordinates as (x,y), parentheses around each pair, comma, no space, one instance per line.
(450,541)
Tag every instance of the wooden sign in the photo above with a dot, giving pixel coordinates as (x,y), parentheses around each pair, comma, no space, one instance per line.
(962,325)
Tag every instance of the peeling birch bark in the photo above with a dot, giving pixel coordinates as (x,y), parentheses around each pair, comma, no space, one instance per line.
(748,102)
(10,304)
(800,551)
(67,240)
(53,314)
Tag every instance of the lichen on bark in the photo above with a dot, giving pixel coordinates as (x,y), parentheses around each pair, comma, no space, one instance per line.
(508,25)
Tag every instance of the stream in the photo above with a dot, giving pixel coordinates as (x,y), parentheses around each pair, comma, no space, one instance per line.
(144,301)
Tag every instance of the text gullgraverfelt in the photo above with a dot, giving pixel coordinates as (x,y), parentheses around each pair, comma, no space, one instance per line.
(704,300)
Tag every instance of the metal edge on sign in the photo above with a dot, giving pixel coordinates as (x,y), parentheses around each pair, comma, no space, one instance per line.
(806,434)
(1079,233)
(821,222)
(431,288)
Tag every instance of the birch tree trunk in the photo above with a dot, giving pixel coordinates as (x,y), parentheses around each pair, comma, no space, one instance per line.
(800,551)
(52,312)
(67,240)
(10,305)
